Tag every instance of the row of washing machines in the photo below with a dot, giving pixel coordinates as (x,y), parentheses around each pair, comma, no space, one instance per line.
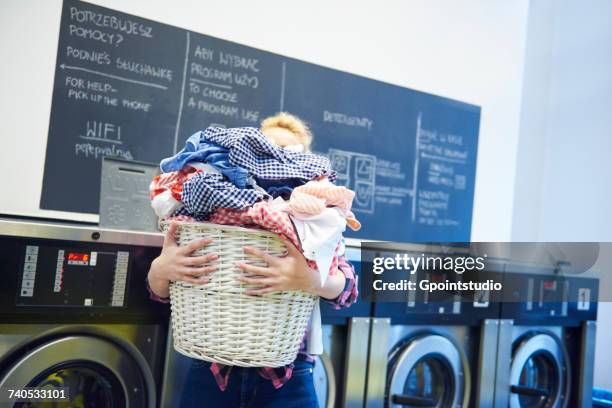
(533,349)
(75,313)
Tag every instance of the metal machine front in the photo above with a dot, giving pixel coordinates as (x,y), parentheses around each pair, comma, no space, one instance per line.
(76,313)
(65,268)
(417,366)
(538,372)
(433,348)
(427,370)
(547,334)
(340,372)
(94,371)
(325,381)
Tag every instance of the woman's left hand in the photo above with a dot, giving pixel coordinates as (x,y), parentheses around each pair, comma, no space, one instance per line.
(290,272)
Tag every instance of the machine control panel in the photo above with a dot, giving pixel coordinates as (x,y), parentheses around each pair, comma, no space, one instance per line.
(62,272)
(536,297)
(54,275)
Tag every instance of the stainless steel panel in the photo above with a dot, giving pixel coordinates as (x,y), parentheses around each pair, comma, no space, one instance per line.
(502,371)
(510,364)
(124,195)
(325,381)
(377,363)
(331,364)
(446,351)
(485,391)
(142,342)
(356,362)
(530,347)
(586,364)
(136,380)
(145,339)
(67,232)
(385,337)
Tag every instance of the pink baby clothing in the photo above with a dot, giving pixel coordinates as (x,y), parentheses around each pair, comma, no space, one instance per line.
(313,197)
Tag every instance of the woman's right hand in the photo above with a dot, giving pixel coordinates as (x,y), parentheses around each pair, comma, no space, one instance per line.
(175,263)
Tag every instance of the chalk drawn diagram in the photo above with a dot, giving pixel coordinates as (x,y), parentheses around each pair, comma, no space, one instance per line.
(435,154)
(356,171)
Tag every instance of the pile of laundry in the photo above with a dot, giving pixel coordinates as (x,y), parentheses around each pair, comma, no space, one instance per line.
(237,176)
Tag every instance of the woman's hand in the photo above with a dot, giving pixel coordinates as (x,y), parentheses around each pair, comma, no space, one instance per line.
(175,264)
(290,272)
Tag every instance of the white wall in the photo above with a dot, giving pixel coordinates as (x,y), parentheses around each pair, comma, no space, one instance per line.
(470,50)
(564,169)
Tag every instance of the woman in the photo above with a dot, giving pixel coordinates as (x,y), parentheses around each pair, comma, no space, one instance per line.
(223,386)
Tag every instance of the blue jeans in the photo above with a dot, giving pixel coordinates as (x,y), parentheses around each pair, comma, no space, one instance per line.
(246,388)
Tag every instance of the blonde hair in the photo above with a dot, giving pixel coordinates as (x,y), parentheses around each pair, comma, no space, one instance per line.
(292,123)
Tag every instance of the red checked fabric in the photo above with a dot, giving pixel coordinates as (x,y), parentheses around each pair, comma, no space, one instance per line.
(171,181)
(259,215)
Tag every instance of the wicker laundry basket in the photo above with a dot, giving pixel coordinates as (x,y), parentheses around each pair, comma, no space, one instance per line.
(218,322)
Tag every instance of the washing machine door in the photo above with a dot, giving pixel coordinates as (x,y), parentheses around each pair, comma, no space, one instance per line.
(428,371)
(325,381)
(538,372)
(97,373)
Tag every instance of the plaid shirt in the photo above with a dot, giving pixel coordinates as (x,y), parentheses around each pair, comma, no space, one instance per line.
(205,192)
(259,215)
(281,375)
(252,150)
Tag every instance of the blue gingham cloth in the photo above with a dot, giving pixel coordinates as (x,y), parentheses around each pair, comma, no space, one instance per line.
(198,149)
(253,151)
(205,192)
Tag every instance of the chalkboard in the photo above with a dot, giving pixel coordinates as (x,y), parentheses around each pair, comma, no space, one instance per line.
(130,88)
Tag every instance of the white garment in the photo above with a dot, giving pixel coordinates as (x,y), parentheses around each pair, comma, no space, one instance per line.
(314,343)
(279,204)
(164,204)
(319,235)
(298,148)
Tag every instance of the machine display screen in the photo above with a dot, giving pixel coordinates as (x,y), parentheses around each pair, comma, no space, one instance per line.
(63,276)
(75,258)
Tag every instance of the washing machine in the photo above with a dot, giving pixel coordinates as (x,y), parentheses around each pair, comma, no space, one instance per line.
(75,314)
(433,349)
(546,339)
